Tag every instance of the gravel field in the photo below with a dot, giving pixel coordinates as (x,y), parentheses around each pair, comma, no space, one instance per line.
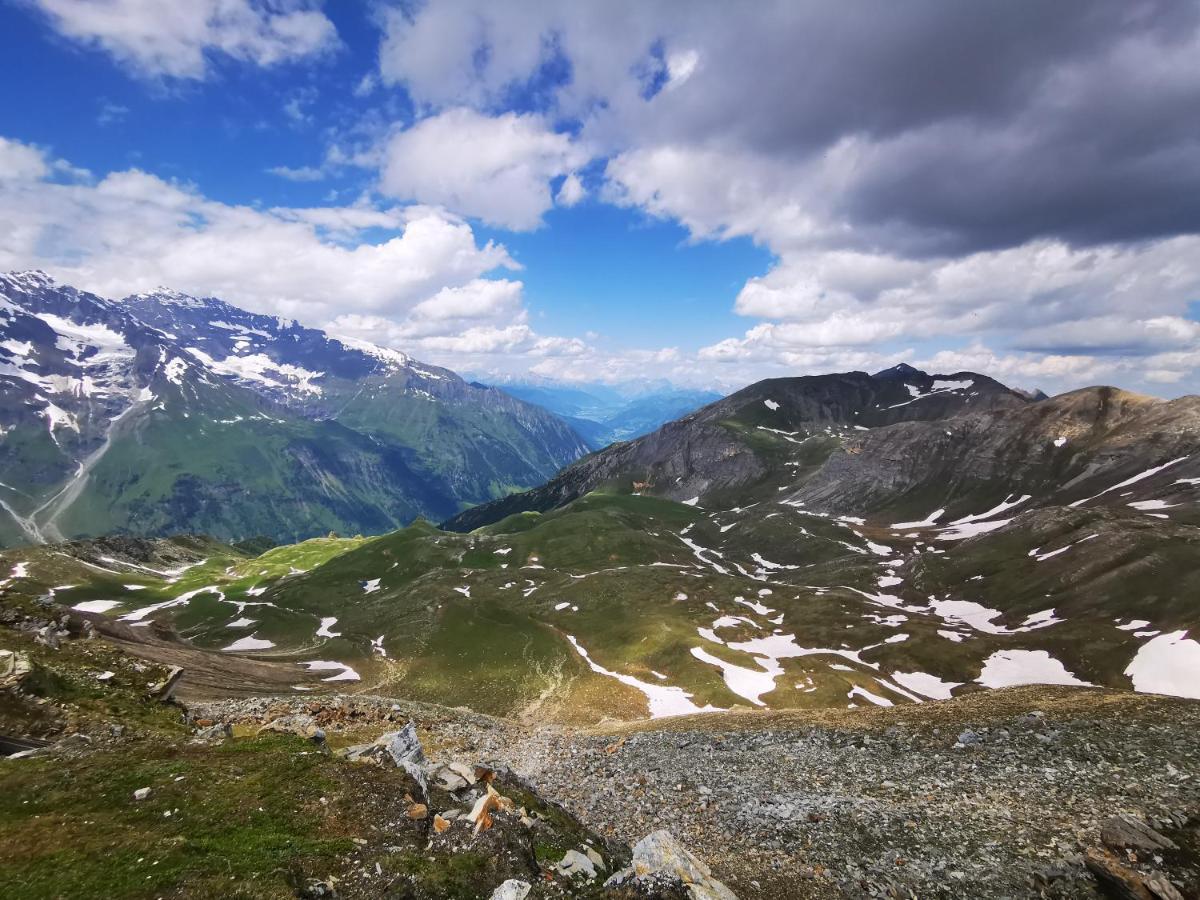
(995,795)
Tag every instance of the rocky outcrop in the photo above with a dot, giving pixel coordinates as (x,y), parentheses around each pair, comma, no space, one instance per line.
(661,863)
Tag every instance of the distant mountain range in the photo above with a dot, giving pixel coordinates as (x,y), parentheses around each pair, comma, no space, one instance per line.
(164,413)
(955,441)
(818,542)
(604,414)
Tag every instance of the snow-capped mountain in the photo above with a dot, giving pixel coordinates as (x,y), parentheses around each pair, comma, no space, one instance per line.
(165,412)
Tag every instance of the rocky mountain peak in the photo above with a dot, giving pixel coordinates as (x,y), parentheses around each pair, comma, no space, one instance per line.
(900,372)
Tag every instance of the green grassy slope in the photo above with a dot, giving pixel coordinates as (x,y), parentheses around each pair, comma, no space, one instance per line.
(677,607)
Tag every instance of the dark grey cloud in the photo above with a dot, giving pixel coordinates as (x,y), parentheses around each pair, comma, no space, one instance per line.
(989,123)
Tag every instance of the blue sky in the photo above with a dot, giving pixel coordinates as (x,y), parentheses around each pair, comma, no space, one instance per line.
(617,191)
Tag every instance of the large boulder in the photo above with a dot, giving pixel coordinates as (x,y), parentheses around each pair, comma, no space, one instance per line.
(659,860)
(512,889)
(402,748)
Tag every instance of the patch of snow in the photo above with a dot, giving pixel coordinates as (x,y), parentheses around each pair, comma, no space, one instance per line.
(858,691)
(371,586)
(1006,504)
(749,684)
(1128,481)
(662,700)
(261,368)
(691,502)
(1008,668)
(767,564)
(971,529)
(1133,624)
(249,643)
(1145,505)
(344,672)
(926,685)
(96,606)
(326,624)
(924,523)
(1167,664)
(139,615)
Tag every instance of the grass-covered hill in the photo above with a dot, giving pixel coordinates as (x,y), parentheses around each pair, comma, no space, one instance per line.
(629,606)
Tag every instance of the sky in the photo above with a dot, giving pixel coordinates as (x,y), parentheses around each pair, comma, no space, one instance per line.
(625,190)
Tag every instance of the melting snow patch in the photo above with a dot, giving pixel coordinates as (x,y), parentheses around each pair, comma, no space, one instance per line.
(757,607)
(368,587)
(377,646)
(326,624)
(1007,504)
(1059,441)
(1145,505)
(96,606)
(1128,481)
(240,623)
(1167,664)
(867,695)
(771,405)
(952,636)
(182,600)
(750,684)
(924,523)
(691,502)
(767,564)
(970,529)
(662,700)
(926,685)
(979,617)
(466,591)
(344,672)
(1008,668)
(1132,624)
(249,643)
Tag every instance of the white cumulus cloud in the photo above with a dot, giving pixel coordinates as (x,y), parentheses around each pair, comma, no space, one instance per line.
(176,38)
(496,168)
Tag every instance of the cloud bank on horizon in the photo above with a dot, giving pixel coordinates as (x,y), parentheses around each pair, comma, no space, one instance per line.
(1011,187)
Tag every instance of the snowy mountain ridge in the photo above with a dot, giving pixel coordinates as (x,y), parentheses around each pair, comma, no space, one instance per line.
(78,371)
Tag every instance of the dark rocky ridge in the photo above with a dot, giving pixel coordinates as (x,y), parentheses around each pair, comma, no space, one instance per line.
(870,454)
(714,449)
